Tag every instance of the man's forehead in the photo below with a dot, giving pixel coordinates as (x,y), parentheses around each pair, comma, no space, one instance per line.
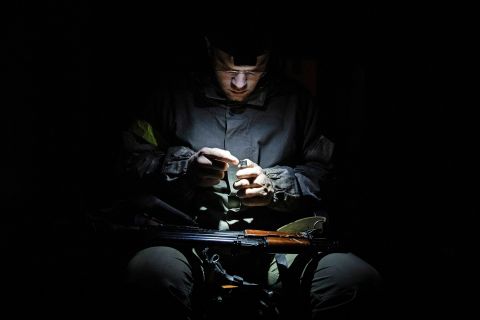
(230,61)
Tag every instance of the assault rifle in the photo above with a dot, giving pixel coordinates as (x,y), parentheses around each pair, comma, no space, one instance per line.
(157,223)
(302,235)
(166,225)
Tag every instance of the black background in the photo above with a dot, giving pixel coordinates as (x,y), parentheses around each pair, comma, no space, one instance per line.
(393,82)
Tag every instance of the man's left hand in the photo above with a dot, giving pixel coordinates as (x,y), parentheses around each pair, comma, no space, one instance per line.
(254,187)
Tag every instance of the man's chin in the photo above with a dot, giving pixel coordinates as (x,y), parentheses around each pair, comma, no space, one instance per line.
(237,97)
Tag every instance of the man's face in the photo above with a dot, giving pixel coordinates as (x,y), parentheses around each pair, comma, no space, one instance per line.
(237,82)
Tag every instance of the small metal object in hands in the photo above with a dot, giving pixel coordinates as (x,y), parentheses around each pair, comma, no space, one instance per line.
(243,163)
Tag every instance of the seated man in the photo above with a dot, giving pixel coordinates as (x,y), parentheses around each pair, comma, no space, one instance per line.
(186,149)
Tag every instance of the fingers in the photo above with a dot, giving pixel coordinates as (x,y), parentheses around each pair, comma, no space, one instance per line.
(245,183)
(252,182)
(207,177)
(210,173)
(249,173)
(248,169)
(204,162)
(207,182)
(253,192)
(219,154)
(211,165)
(252,185)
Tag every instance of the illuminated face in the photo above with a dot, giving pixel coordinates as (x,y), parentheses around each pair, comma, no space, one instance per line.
(237,82)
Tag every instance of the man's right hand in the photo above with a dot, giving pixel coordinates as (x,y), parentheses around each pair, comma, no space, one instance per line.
(207,167)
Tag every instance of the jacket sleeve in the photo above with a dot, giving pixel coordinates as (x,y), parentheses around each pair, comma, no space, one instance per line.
(301,186)
(151,162)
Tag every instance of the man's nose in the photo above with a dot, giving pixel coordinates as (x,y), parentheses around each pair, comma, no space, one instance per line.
(239,81)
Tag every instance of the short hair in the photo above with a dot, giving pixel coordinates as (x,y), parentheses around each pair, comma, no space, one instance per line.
(251,41)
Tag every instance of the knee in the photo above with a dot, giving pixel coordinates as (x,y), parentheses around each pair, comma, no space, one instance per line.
(340,278)
(159,268)
(346,270)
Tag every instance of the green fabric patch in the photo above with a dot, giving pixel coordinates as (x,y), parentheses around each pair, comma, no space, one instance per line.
(144,130)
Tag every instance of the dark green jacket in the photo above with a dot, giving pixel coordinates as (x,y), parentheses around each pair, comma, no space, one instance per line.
(278,127)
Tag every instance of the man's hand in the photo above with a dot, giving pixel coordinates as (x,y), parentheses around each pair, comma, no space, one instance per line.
(254,187)
(208,166)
